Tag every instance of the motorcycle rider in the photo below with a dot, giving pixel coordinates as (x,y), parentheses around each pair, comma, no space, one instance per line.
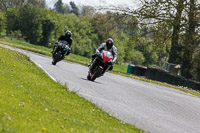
(64,37)
(108,46)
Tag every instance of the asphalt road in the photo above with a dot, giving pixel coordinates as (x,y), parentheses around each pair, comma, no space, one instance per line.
(151,107)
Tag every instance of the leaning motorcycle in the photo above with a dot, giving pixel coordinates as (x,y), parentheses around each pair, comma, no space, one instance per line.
(101,64)
(60,50)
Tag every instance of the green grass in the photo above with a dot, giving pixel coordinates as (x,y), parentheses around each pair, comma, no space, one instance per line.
(30,102)
(118,69)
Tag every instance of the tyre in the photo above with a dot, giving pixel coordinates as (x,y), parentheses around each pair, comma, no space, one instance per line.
(88,76)
(96,74)
(54,63)
(56,58)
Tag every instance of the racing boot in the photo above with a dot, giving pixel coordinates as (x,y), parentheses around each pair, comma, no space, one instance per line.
(63,57)
(54,50)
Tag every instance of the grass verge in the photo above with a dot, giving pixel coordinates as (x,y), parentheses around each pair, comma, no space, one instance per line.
(118,69)
(31,102)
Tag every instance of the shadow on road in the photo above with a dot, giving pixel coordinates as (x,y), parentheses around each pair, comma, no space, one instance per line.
(92,81)
(53,65)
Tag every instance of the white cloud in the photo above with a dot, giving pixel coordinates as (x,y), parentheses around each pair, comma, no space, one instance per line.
(105,3)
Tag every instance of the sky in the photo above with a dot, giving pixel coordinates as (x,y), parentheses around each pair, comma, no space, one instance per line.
(106,3)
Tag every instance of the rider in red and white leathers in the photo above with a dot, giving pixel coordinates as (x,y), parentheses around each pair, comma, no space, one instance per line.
(108,46)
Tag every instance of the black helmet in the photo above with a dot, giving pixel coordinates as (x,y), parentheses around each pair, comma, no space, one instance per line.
(68,34)
(109,43)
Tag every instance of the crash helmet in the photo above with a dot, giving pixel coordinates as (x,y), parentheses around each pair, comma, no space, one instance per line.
(109,43)
(68,34)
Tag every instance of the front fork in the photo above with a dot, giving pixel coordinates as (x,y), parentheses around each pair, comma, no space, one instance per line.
(94,63)
(54,50)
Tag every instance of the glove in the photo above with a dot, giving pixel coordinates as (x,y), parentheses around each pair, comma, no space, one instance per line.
(56,42)
(112,62)
(68,53)
(98,53)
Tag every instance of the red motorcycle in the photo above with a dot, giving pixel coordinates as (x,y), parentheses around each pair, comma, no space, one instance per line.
(101,64)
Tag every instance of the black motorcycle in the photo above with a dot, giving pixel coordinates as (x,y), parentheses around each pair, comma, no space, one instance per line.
(101,64)
(60,51)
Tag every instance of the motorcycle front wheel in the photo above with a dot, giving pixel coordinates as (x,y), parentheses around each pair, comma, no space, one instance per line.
(88,76)
(96,74)
(56,58)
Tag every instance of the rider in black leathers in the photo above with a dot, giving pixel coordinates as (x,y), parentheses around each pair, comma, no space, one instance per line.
(108,46)
(64,37)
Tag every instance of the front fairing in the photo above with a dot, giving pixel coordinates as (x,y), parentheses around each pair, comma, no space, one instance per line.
(103,60)
(107,56)
(63,46)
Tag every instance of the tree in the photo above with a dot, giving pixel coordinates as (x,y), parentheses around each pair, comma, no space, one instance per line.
(85,41)
(47,28)
(35,24)
(67,9)
(135,57)
(176,48)
(58,7)
(102,26)
(181,16)
(5,4)
(2,22)
(13,17)
(169,14)
(38,3)
(196,65)
(74,8)
(30,23)
(146,47)
(87,11)
(190,41)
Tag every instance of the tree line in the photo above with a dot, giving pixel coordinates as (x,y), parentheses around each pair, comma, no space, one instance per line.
(158,31)
(178,21)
